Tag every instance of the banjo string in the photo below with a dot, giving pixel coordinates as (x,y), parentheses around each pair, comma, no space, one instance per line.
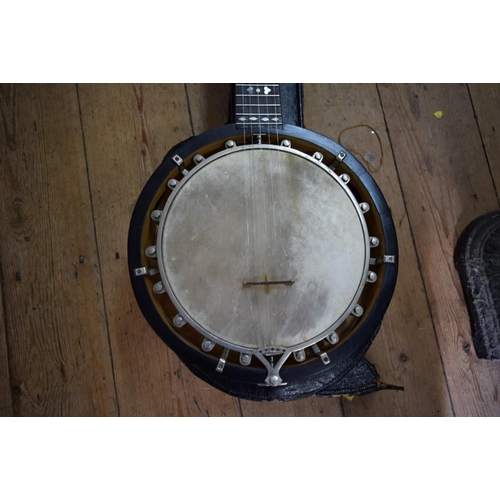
(262,211)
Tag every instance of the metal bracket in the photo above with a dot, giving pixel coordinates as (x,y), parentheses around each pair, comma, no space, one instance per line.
(322,355)
(142,271)
(177,160)
(222,361)
(338,160)
(384,259)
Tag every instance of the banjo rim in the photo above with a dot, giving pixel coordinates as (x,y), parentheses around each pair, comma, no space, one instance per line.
(239,380)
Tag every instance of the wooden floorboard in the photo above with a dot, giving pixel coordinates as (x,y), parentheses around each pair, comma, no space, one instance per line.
(6,409)
(309,407)
(208,105)
(56,330)
(128,130)
(405,350)
(486,103)
(446,184)
(73,160)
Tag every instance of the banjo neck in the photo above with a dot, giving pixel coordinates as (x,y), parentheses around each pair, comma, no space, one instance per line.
(263,106)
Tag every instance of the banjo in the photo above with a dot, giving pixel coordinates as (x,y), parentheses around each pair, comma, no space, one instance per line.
(263,253)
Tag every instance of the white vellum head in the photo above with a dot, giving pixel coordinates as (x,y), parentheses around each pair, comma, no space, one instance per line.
(263,214)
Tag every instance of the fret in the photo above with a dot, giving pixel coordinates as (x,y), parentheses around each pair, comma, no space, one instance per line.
(263,104)
(244,108)
(257,97)
(267,104)
(258,101)
(254,99)
(268,84)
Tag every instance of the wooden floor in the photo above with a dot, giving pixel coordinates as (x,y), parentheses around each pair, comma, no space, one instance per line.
(73,160)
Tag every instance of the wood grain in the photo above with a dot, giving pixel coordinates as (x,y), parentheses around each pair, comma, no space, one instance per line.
(486,102)
(405,350)
(446,184)
(208,105)
(5,397)
(308,407)
(56,330)
(128,130)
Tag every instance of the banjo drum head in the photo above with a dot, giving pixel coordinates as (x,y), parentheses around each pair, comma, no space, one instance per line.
(263,247)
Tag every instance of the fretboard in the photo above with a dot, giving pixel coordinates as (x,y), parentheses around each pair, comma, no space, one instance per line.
(257,105)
